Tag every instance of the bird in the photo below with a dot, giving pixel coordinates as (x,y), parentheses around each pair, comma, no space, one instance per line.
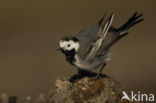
(90,48)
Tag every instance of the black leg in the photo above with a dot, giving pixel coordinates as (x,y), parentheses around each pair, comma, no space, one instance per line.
(84,73)
(99,73)
(81,73)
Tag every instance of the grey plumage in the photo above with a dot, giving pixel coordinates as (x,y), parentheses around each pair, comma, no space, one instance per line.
(88,35)
(95,41)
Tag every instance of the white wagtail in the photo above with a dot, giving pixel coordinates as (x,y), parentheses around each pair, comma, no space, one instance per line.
(89,48)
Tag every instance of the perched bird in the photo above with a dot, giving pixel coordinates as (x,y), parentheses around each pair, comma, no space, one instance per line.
(90,48)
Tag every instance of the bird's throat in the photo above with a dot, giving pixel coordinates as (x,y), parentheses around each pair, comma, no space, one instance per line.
(70,55)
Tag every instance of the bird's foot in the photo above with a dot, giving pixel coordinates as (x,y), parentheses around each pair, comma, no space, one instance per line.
(81,74)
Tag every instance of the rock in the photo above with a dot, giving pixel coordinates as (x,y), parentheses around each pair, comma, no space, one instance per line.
(86,90)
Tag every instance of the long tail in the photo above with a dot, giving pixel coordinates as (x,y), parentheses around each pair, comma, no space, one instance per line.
(136,18)
(116,34)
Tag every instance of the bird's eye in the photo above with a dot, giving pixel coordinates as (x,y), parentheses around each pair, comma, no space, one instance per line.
(68,45)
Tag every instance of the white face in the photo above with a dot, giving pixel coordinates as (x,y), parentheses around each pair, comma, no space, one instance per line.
(69,45)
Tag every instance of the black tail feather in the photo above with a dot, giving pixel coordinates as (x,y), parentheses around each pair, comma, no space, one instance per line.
(131,22)
(102,20)
(118,38)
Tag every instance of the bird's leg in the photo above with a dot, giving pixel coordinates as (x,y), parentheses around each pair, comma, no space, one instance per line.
(77,76)
(99,72)
(84,73)
(81,73)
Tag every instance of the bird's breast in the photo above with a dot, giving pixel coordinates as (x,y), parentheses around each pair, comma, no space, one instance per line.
(84,64)
(69,55)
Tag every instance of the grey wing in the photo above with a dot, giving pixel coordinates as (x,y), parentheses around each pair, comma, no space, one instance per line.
(87,36)
(102,35)
(111,38)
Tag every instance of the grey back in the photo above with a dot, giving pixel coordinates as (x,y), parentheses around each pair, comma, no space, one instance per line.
(86,37)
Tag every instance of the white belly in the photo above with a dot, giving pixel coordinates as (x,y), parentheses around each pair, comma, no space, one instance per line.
(89,65)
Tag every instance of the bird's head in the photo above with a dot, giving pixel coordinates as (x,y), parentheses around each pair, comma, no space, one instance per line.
(69,44)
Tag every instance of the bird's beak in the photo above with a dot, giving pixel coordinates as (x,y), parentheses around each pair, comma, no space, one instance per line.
(58,49)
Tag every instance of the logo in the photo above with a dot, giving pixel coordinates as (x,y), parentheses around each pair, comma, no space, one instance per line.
(140,97)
